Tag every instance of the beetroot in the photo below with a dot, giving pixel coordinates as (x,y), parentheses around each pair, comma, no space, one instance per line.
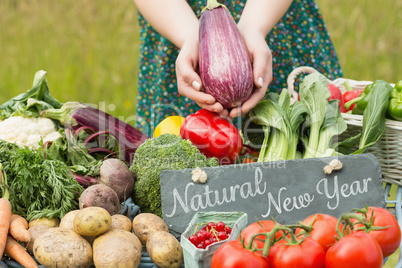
(115,174)
(224,62)
(100,195)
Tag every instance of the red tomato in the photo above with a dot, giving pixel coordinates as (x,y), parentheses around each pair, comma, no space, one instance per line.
(358,249)
(307,254)
(263,226)
(233,254)
(324,229)
(389,239)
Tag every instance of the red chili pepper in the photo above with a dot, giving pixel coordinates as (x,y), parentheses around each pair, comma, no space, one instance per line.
(213,135)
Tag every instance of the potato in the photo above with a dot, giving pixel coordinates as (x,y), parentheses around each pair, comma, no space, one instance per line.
(165,250)
(68,220)
(92,221)
(53,222)
(145,224)
(121,222)
(117,248)
(60,247)
(35,232)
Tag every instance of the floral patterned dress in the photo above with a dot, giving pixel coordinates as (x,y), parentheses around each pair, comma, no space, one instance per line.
(300,38)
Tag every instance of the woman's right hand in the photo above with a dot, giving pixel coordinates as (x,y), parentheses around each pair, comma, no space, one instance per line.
(189,82)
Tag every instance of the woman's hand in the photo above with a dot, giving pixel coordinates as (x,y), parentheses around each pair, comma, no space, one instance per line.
(189,82)
(257,20)
(261,59)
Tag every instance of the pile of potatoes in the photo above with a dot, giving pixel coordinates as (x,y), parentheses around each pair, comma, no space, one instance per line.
(162,247)
(91,236)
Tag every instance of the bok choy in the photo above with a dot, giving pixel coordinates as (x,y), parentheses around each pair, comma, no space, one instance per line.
(281,121)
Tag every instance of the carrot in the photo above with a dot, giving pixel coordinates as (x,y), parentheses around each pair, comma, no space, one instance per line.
(17,252)
(19,228)
(5,213)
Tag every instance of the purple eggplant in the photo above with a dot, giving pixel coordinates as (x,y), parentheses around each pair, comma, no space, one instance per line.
(76,115)
(224,62)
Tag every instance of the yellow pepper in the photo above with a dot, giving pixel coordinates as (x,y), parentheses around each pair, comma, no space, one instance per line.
(169,125)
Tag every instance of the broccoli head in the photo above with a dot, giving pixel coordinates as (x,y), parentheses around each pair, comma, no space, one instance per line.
(165,152)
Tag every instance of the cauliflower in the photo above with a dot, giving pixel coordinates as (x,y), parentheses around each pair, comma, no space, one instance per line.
(28,131)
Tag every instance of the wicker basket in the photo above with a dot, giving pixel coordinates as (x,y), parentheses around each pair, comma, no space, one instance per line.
(388,149)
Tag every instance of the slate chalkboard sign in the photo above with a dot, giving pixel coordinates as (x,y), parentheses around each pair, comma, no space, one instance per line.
(288,190)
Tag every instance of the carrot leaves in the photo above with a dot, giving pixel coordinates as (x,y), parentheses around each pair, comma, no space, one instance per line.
(38,187)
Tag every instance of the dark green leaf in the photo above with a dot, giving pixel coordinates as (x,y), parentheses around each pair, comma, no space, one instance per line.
(349,145)
(374,115)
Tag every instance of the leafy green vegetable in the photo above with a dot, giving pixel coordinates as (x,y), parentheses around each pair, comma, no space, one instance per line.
(348,146)
(3,184)
(314,95)
(30,103)
(282,121)
(253,134)
(72,151)
(314,121)
(296,114)
(333,125)
(38,187)
(374,115)
(271,115)
(165,152)
(373,121)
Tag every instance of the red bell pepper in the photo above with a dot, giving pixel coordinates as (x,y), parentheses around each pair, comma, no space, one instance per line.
(336,94)
(213,135)
(350,94)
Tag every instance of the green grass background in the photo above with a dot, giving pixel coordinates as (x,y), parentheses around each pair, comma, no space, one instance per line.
(89,48)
